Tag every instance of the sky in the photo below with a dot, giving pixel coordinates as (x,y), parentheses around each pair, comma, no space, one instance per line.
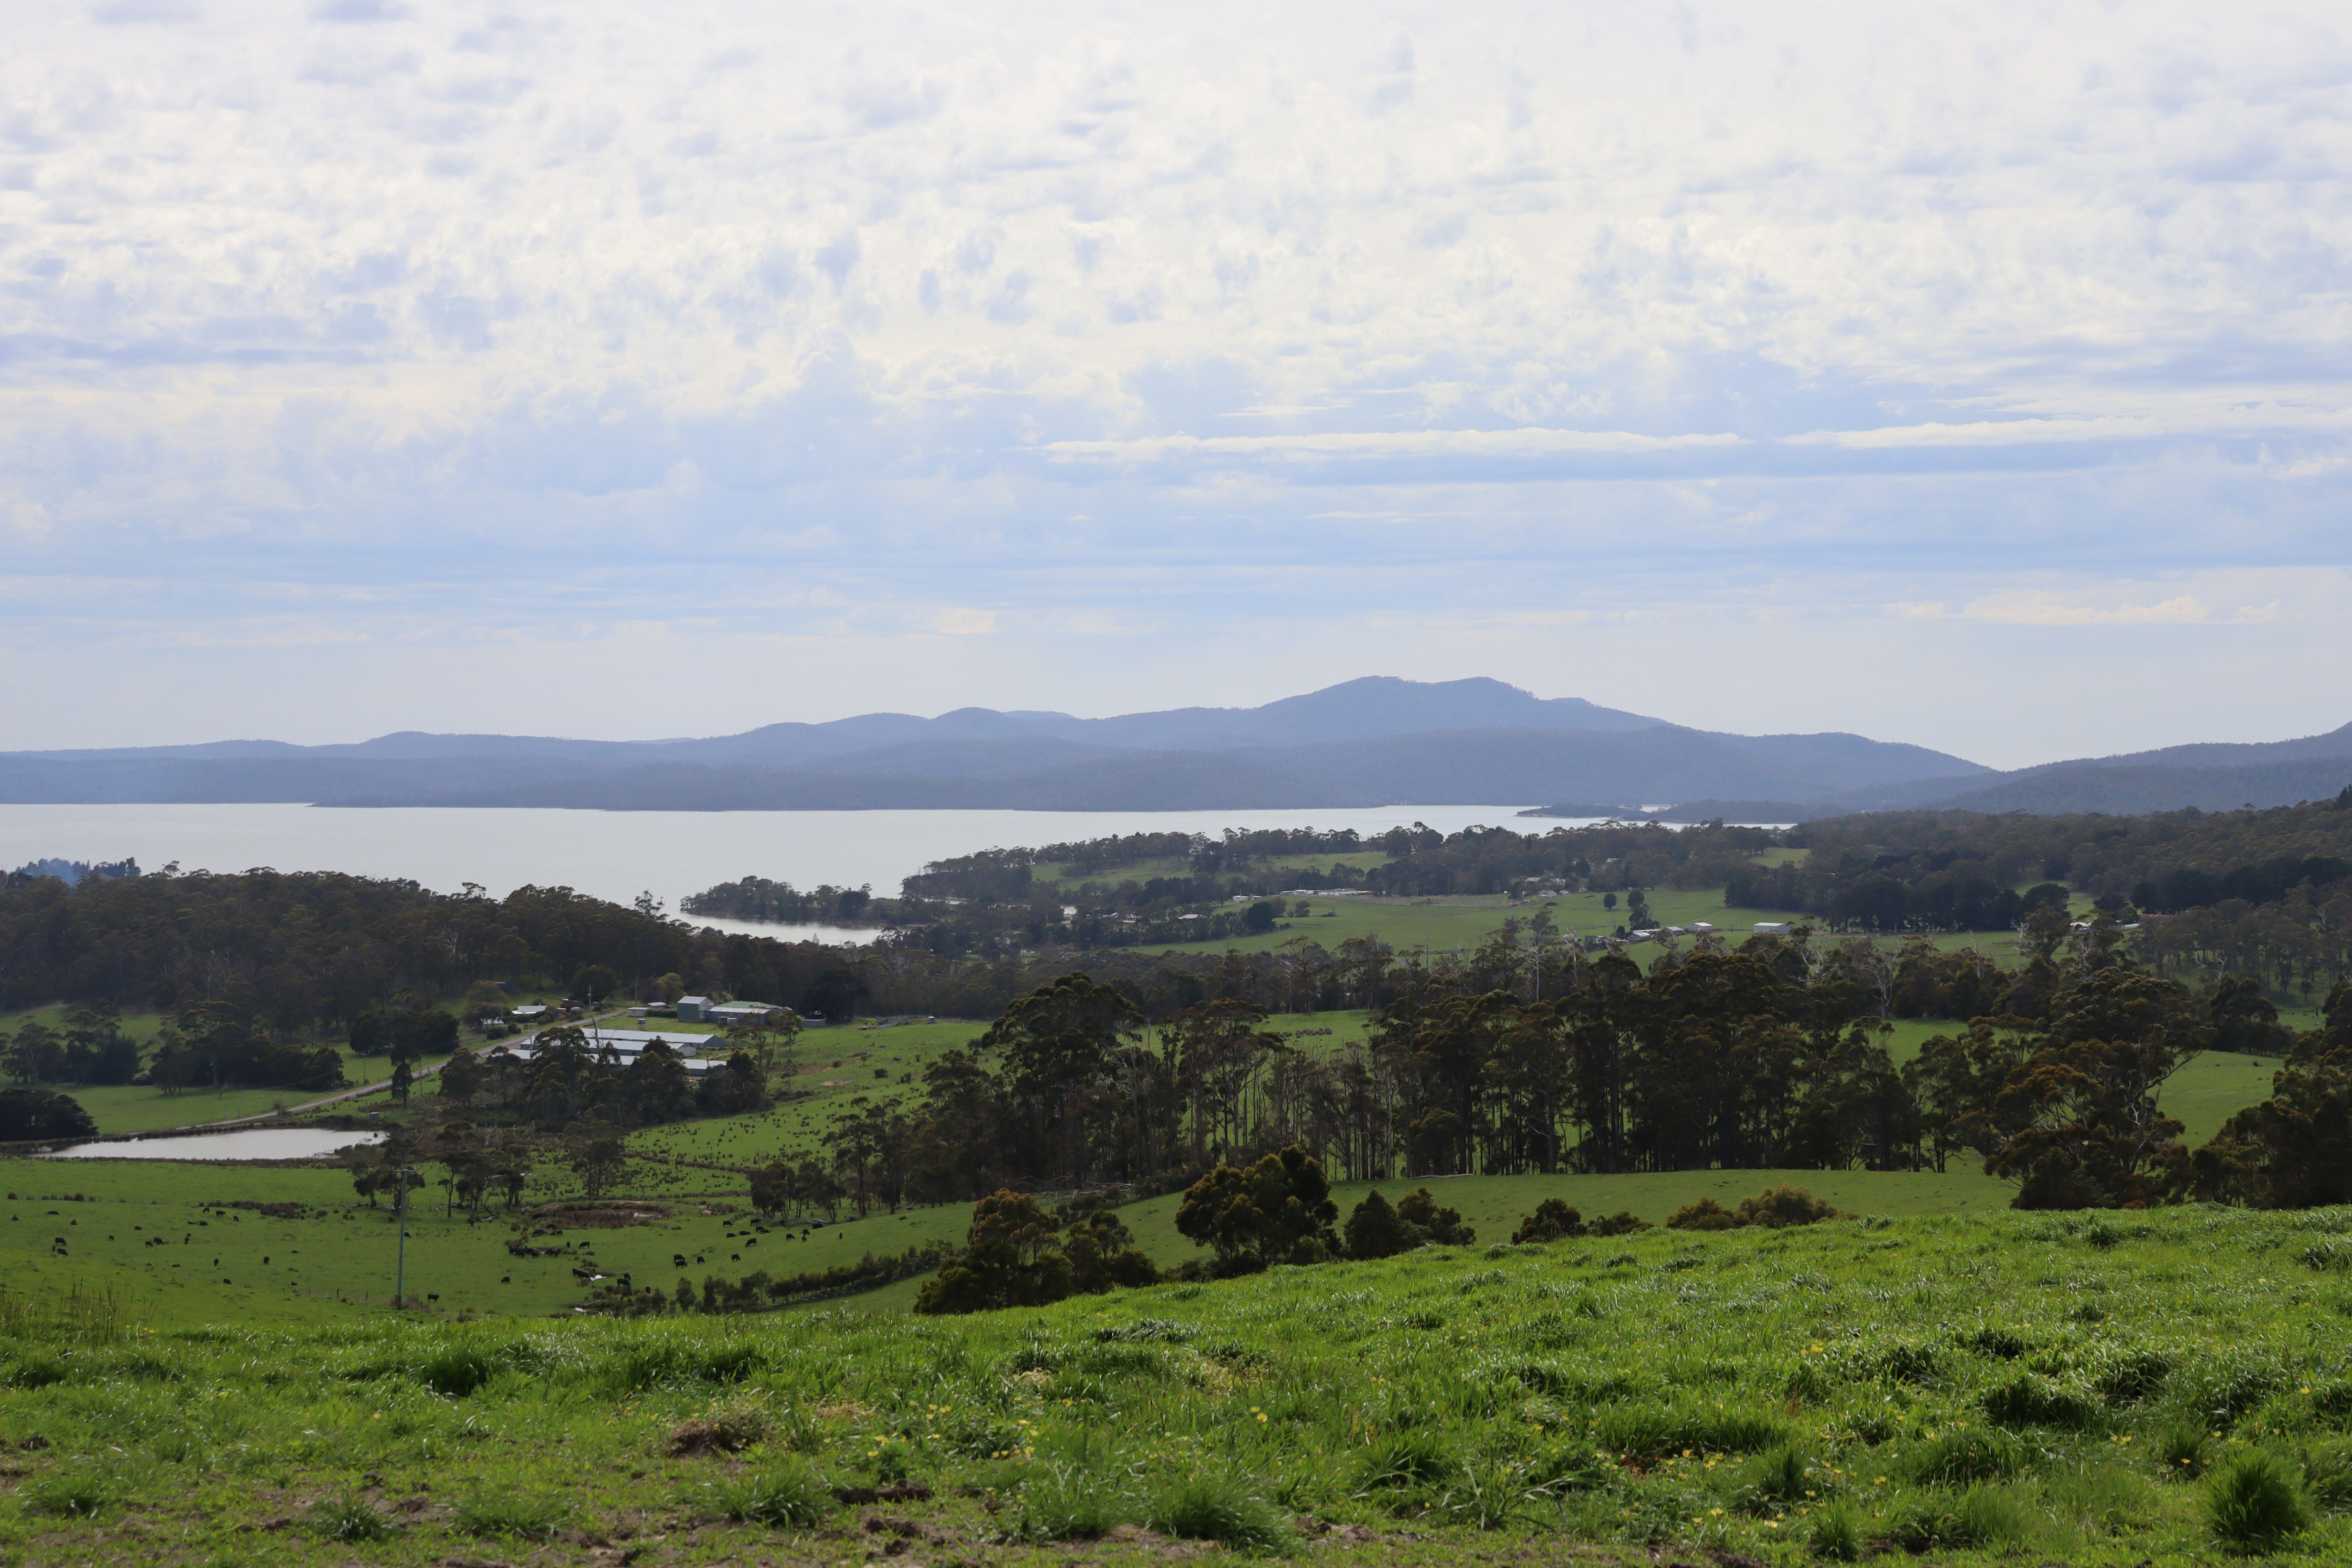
(1978,376)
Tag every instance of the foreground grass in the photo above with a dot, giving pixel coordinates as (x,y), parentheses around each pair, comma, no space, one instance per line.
(2090,1389)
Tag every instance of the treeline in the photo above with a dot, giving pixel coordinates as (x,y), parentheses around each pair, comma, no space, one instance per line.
(1278,1210)
(1956,870)
(308,956)
(1769,1057)
(757,1291)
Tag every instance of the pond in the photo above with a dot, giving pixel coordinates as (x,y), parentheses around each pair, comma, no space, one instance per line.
(247,1143)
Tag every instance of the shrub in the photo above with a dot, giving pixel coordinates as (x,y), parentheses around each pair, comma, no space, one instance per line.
(2253,1504)
(348,1518)
(507,1514)
(1622,1223)
(1703,1215)
(1552,1221)
(788,1495)
(1219,1509)
(1373,1229)
(1777,1207)
(1441,1226)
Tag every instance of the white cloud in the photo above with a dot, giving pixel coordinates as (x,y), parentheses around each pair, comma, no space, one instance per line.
(1519,318)
(1520,442)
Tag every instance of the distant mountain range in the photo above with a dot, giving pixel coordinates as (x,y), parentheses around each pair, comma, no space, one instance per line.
(1369,742)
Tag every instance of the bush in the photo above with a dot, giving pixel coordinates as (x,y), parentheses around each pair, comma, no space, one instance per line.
(1373,1229)
(788,1495)
(1219,1509)
(1622,1223)
(30,1113)
(2253,1504)
(1552,1221)
(1777,1207)
(1440,1227)
(1703,1215)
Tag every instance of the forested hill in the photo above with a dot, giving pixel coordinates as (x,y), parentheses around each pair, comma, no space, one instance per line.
(1366,743)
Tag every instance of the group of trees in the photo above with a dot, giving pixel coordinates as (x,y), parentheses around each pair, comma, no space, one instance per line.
(91,1048)
(757,898)
(1278,1209)
(1769,1057)
(1927,869)
(571,1081)
(207,1045)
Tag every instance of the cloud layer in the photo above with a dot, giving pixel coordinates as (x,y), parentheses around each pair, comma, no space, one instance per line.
(682,368)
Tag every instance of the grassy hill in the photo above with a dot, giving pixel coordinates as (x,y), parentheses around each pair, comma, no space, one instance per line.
(1972,1386)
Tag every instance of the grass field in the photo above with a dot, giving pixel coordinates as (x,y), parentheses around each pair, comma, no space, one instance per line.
(217,1263)
(1977,1388)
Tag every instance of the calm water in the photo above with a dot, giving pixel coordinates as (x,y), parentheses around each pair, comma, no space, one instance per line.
(618,855)
(258,1144)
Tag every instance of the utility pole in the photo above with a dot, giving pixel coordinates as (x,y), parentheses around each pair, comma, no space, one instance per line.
(400,1175)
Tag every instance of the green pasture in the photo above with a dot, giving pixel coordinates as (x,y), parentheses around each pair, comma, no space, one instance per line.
(1462,922)
(1968,1387)
(217,1263)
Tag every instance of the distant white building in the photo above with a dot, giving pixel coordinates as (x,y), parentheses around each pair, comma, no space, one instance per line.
(689,1009)
(737,1012)
(1771,928)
